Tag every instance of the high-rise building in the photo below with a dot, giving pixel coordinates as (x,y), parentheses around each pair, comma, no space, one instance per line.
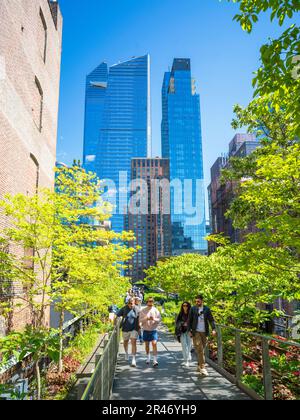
(221,195)
(117,126)
(150,220)
(182,145)
(95,93)
(30,56)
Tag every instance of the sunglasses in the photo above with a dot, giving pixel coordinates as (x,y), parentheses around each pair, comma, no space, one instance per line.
(185,305)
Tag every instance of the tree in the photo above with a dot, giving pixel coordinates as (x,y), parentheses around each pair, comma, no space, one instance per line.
(231,287)
(278,78)
(267,182)
(88,261)
(70,259)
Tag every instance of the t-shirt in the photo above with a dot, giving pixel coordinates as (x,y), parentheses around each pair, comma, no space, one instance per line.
(201,321)
(129,319)
(147,323)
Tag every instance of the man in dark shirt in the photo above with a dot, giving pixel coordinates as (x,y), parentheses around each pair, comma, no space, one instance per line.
(200,319)
(130,328)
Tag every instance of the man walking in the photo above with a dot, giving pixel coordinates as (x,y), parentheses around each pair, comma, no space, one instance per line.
(200,319)
(150,319)
(130,328)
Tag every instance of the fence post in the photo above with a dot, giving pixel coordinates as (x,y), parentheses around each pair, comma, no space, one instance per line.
(267,374)
(108,375)
(238,356)
(102,383)
(220,346)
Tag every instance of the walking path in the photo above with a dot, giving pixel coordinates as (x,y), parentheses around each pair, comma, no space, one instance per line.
(170,381)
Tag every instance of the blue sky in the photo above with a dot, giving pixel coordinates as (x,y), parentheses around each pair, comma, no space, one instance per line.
(223,60)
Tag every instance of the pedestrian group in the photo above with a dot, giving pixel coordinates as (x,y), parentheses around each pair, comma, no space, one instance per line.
(193,325)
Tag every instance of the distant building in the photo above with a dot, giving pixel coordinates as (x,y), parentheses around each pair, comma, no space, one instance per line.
(117,126)
(182,145)
(151,221)
(30,56)
(220,196)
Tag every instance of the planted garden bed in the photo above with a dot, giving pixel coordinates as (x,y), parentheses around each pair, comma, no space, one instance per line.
(284,360)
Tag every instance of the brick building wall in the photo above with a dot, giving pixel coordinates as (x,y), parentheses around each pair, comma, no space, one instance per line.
(30,56)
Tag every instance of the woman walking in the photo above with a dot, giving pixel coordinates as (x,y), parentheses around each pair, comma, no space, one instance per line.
(182,332)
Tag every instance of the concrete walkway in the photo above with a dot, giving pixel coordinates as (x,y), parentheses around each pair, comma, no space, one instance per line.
(170,381)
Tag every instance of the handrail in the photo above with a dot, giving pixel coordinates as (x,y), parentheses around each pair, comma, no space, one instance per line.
(101,383)
(269,337)
(267,374)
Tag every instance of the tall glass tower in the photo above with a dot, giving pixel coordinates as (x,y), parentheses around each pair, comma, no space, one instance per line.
(182,145)
(95,93)
(120,127)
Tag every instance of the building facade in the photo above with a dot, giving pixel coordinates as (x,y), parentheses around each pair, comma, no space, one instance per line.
(95,94)
(182,145)
(30,56)
(117,127)
(149,214)
(221,195)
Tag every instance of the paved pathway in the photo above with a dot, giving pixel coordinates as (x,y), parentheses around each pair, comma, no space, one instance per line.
(170,381)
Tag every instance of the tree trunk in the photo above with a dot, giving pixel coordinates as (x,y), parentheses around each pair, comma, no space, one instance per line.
(38,380)
(61,325)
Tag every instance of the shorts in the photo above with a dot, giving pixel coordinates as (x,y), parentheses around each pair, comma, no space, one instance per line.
(130,335)
(150,336)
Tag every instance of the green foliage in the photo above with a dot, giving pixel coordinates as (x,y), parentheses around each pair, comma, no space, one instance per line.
(36,342)
(14,394)
(267,183)
(85,341)
(156,296)
(250,10)
(170,310)
(232,285)
(277,81)
(254,382)
(61,258)
(67,259)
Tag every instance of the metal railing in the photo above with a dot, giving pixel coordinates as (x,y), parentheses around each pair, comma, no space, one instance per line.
(101,383)
(265,358)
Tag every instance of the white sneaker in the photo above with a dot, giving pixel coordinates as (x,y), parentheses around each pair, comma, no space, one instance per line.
(126,357)
(133,363)
(148,361)
(203,372)
(185,364)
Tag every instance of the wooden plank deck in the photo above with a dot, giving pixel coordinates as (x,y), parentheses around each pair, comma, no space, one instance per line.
(170,381)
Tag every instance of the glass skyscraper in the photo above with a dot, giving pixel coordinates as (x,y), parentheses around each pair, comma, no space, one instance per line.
(182,145)
(95,93)
(118,126)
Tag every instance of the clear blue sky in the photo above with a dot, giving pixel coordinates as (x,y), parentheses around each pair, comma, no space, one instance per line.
(223,60)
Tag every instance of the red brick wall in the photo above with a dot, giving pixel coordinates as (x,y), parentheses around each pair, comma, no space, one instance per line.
(22,41)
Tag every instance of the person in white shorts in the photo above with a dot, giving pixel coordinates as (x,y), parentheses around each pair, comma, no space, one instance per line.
(130,328)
